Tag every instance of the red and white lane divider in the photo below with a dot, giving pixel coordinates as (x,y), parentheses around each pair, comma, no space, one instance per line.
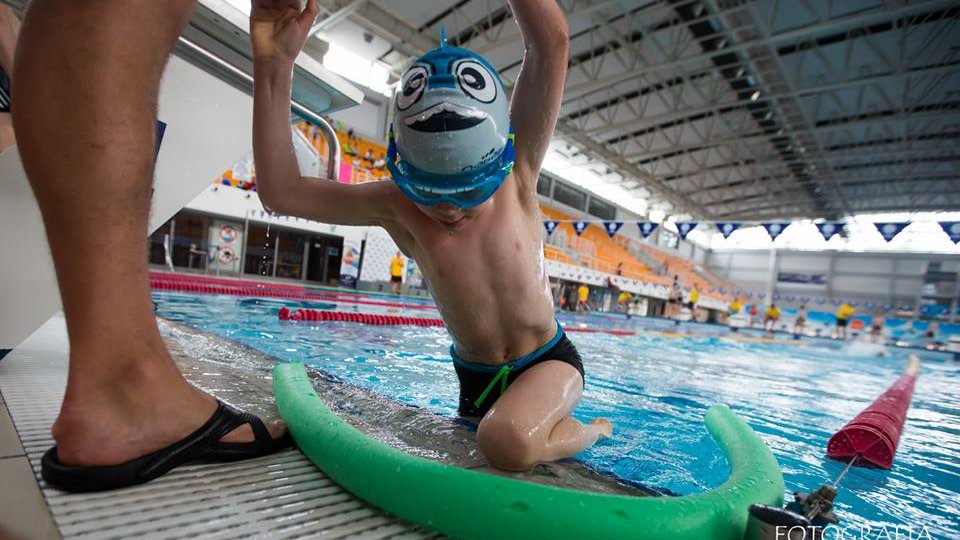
(285,314)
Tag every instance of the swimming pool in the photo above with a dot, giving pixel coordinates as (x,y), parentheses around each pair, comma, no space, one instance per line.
(656,390)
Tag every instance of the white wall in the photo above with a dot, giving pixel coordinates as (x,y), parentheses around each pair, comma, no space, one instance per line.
(208,128)
(880,277)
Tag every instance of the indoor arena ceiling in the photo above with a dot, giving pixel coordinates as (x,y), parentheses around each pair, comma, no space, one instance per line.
(729,109)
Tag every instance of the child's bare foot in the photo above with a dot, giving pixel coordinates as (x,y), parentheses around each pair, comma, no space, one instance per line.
(606,428)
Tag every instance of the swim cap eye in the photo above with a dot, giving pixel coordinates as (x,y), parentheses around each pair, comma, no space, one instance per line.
(412,87)
(477,81)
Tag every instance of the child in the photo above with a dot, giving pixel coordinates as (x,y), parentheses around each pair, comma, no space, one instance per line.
(770,318)
(465,208)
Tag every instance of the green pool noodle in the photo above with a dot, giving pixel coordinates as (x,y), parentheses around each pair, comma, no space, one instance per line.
(473,505)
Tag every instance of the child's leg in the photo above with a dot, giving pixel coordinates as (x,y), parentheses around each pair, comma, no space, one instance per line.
(531,422)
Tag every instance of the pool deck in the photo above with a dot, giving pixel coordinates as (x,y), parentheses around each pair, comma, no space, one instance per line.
(282,496)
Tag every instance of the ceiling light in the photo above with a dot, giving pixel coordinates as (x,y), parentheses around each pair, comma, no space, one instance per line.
(755,96)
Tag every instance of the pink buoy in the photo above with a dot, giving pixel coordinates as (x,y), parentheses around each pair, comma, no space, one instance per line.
(872,437)
(283,314)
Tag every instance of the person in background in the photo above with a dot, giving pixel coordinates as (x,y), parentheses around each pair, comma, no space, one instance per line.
(673,301)
(931,331)
(619,268)
(396,272)
(770,318)
(623,301)
(9,28)
(583,297)
(844,313)
(735,307)
(801,321)
(692,303)
(876,329)
(754,312)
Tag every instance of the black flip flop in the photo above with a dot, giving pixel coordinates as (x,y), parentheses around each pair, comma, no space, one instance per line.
(202,445)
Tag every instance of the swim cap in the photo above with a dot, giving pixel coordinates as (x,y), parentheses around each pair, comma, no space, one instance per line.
(451,129)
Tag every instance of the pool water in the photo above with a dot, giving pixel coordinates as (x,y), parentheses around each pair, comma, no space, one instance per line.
(656,390)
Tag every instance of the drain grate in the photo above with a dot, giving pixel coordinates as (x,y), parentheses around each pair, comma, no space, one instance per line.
(279,496)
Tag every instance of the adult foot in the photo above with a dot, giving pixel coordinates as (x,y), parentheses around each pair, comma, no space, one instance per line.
(107,420)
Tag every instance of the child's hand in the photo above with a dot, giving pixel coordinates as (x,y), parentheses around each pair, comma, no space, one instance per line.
(278,28)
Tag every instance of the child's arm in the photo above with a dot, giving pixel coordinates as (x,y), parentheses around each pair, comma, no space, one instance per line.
(278,29)
(539,89)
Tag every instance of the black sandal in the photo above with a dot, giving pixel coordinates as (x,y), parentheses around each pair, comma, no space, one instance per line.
(202,445)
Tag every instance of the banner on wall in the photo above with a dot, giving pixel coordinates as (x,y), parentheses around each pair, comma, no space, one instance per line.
(551,226)
(350,262)
(580,226)
(952,228)
(890,230)
(809,279)
(727,228)
(646,228)
(829,228)
(684,228)
(612,227)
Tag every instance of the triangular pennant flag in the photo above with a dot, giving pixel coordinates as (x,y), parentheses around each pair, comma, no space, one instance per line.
(684,228)
(889,230)
(726,228)
(829,228)
(646,228)
(579,227)
(774,228)
(551,226)
(952,228)
(612,227)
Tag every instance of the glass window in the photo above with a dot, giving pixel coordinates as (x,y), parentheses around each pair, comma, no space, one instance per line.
(290,255)
(190,241)
(157,253)
(569,196)
(544,184)
(602,209)
(260,248)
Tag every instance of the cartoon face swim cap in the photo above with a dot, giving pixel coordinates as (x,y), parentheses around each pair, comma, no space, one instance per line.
(451,129)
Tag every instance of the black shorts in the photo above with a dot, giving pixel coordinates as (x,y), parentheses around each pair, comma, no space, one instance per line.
(842,322)
(4,92)
(474,382)
(396,279)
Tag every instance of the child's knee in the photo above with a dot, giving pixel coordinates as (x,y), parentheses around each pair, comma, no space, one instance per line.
(507,445)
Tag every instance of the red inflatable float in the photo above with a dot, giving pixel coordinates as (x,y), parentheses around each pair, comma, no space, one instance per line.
(871,438)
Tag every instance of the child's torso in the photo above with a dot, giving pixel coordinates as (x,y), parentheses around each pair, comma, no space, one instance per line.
(488,278)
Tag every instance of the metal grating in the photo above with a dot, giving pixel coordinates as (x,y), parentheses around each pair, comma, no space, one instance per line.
(280,496)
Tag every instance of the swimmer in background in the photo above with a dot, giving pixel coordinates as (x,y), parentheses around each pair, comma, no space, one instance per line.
(876,329)
(770,318)
(801,321)
(844,313)
(396,273)
(477,239)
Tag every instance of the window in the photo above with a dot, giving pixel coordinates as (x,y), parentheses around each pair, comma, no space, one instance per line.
(601,209)
(569,196)
(544,184)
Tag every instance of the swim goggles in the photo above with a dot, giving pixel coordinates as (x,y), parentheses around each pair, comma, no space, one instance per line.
(429,189)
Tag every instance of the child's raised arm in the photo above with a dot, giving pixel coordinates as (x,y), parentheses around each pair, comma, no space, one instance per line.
(539,89)
(278,29)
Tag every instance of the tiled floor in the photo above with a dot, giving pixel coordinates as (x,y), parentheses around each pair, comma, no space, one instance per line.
(23,511)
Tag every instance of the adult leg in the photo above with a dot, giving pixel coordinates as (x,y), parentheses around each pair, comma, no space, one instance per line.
(531,423)
(91,70)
